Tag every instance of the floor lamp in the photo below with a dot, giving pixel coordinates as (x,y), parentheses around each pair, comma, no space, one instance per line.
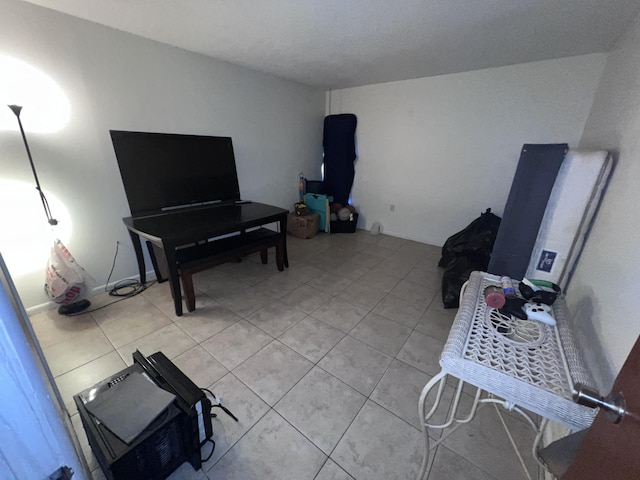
(78,305)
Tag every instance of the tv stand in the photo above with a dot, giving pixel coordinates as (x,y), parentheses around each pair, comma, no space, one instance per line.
(188,242)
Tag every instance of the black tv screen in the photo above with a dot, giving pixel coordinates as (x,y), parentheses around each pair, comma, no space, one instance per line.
(162,171)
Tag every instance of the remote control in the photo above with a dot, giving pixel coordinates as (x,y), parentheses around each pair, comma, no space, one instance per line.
(539,312)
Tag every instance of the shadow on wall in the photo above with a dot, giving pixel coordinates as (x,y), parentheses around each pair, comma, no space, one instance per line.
(596,359)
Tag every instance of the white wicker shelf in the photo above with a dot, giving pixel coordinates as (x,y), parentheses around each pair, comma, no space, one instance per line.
(520,364)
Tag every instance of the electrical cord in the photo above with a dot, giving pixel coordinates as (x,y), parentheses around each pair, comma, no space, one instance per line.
(134,287)
(213,449)
(219,405)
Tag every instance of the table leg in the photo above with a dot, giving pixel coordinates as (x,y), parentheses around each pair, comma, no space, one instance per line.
(189,292)
(174,277)
(283,231)
(137,248)
(158,267)
(454,418)
(439,380)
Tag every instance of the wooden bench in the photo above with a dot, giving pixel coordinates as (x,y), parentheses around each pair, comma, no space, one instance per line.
(197,258)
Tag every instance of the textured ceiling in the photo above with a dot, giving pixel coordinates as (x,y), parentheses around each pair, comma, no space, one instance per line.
(345,43)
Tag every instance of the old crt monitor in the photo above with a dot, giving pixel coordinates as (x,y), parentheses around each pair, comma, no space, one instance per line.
(164,171)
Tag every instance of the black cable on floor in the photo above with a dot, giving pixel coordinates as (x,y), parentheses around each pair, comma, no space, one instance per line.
(133,288)
(219,405)
(212,449)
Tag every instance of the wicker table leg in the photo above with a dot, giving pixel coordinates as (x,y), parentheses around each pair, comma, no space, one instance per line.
(439,380)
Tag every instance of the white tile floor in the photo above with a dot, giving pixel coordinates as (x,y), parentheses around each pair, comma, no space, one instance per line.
(322,363)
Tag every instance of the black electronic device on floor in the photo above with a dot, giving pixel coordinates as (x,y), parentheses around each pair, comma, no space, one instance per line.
(189,398)
(174,437)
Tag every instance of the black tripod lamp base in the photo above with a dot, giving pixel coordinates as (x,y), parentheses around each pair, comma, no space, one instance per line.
(74,307)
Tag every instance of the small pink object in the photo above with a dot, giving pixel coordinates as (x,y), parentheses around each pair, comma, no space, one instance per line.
(494,296)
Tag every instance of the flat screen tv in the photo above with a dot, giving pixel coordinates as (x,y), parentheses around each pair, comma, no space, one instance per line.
(164,171)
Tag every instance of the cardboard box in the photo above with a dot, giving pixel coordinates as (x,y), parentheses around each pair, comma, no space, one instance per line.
(303,226)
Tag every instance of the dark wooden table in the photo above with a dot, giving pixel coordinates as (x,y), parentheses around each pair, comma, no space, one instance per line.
(176,228)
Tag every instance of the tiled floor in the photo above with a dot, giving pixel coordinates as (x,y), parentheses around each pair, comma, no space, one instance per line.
(322,363)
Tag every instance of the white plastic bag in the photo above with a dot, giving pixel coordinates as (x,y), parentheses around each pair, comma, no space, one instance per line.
(65,281)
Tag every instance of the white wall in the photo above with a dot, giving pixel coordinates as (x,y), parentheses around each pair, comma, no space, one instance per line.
(443,149)
(115,80)
(604,289)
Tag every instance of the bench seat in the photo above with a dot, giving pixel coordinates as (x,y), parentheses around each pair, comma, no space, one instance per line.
(196,258)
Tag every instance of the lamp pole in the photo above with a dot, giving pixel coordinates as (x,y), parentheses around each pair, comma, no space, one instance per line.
(79,305)
(52,221)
